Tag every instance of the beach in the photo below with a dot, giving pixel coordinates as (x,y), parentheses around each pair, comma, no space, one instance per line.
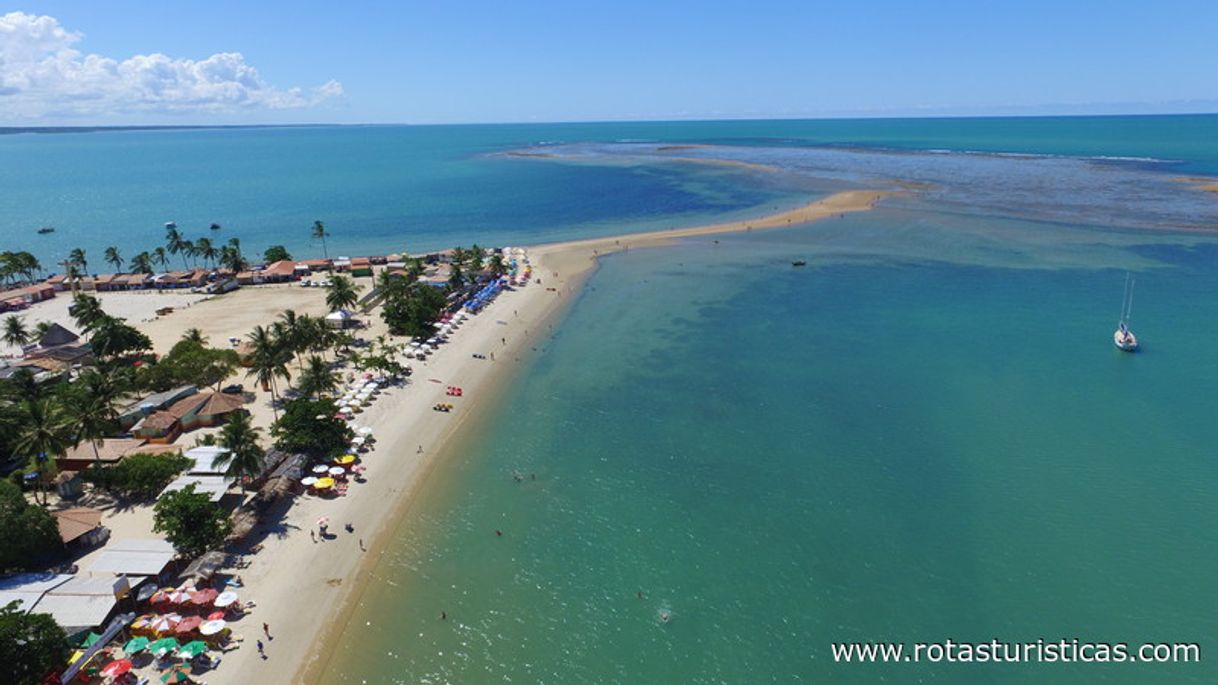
(302,587)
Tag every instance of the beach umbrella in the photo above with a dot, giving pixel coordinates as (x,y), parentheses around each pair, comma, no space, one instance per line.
(116,668)
(179,597)
(359,468)
(146,592)
(355,404)
(91,639)
(320,468)
(165,623)
(308,481)
(179,673)
(192,649)
(324,483)
(345,459)
(215,616)
(359,441)
(212,627)
(364,430)
(161,595)
(136,645)
(337,471)
(163,646)
(204,596)
(187,625)
(226,598)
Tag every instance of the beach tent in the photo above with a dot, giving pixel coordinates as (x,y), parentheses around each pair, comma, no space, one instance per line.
(338,319)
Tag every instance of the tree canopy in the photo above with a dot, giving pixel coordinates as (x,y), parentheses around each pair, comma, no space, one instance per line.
(29,535)
(31,646)
(276,253)
(191,521)
(309,426)
(190,362)
(412,309)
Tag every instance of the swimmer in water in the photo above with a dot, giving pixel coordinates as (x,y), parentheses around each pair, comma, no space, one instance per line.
(664,616)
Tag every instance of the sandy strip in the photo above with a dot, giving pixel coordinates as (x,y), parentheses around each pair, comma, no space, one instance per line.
(306,590)
(1204,183)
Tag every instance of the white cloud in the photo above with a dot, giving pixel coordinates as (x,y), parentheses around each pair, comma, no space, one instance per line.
(42,75)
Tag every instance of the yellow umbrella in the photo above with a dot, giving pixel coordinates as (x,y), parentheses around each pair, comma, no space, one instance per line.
(324,483)
(345,459)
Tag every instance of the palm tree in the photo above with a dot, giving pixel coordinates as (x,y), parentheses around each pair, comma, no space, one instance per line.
(319,231)
(456,279)
(195,335)
(142,263)
(189,250)
(161,257)
(497,267)
(113,257)
(244,456)
(268,361)
(317,378)
(15,332)
(90,421)
(173,240)
(342,293)
(289,331)
(206,250)
(86,310)
(474,259)
(77,258)
(43,435)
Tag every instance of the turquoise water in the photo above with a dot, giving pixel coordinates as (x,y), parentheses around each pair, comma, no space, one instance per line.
(924,434)
(391,188)
(875,447)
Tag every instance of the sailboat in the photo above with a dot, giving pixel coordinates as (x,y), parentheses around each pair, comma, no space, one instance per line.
(1124,338)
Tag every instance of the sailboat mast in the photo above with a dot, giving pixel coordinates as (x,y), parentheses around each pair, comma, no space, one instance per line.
(1129,308)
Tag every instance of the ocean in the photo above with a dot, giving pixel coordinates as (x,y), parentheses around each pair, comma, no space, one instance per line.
(924,434)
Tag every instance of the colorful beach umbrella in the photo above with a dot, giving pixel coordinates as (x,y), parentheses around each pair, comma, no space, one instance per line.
(226,598)
(116,668)
(188,624)
(193,649)
(136,645)
(91,639)
(215,616)
(163,646)
(179,673)
(324,483)
(345,459)
(165,623)
(204,596)
(179,597)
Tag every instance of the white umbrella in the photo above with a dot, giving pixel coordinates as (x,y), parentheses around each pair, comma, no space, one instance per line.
(359,441)
(355,404)
(225,598)
(308,481)
(337,470)
(364,430)
(415,343)
(212,627)
(320,468)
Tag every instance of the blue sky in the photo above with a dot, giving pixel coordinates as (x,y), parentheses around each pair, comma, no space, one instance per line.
(262,62)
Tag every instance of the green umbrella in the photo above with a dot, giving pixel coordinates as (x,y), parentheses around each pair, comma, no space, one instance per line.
(164,646)
(91,640)
(136,645)
(180,673)
(191,650)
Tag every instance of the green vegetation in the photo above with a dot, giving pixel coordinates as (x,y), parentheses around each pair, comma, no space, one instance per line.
(42,434)
(190,362)
(29,533)
(114,258)
(18,264)
(276,253)
(114,338)
(309,426)
(190,521)
(31,646)
(317,378)
(411,308)
(269,361)
(320,232)
(138,476)
(15,332)
(245,457)
(342,293)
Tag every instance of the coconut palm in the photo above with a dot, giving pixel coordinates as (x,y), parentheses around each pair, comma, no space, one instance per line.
(319,231)
(473,261)
(86,310)
(195,335)
(77,258)
(173,240)
(90,421)
(317,378)
(342,293)
(206,250)
(268,362)
(289,330)
(15,332)
(142,263)
(161,257)
(245,456)
(113,257)
(42,436)
(189,249)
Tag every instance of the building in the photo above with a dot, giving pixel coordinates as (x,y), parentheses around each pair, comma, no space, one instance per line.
(20,298)
(139,409)
(109,452)
(195,411)
(361,266)
(81,526)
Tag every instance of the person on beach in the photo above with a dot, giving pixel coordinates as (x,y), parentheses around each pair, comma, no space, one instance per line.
(266,630)
(361,545)
(350,528)
(261,651)
(312,536)
(420,450)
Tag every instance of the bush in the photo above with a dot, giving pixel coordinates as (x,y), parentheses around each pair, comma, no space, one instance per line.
(29,535)
(299,429)
(138,475)
(31,645)
(191,521)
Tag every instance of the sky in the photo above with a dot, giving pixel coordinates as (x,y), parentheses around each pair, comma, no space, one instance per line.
(83,62)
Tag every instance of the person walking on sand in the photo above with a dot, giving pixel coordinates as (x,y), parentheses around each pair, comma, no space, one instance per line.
(266,630)
(312,536)
(361,545)
(261,651)
(420,450)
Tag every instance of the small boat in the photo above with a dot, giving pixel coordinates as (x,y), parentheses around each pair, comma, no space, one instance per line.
(1123,338)
(215,227)
(46,229)
(799,262)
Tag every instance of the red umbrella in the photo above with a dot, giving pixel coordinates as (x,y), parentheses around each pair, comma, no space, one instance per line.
(116,668)
(204,596)
(159,596)
(188,624)
(179,596)
(215,615)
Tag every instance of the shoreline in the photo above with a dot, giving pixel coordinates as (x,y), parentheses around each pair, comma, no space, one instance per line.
(318,604)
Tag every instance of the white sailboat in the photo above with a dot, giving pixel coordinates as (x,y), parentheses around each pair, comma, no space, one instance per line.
(1124,338)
